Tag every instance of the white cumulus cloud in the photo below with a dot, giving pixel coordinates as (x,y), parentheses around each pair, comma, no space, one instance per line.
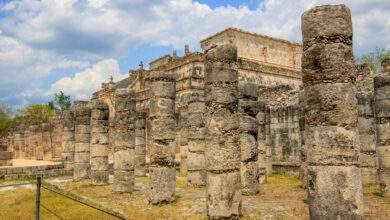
(84,83)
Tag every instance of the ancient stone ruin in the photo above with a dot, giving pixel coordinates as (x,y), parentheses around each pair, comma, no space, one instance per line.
(226,118)
(331,115)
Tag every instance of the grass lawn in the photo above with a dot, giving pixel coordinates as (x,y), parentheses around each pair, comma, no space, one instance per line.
(280,198)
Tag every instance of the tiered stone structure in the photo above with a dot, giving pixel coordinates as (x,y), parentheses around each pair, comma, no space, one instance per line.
(223,150)
(334,178)
(124,140)
(68,139)
(99,142)
(140,145)
(162,172)
(382,118)
(81,166)
(248,108)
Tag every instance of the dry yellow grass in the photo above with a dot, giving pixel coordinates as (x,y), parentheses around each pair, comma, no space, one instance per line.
(280,198)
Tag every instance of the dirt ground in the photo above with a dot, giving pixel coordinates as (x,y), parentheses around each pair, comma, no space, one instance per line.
(28,163)
(280,198)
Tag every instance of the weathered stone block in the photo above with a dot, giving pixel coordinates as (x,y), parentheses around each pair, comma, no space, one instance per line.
(383,153)
(383,133)
(249,178)
(163,90)
(161,107)
(224,195)
(196,178)
(332,22)
(331,145)
(196,145)
(248,124)
(195,161)
(222,153)
(162,184)
(163,129)
(221,121)
(124,160)
(331,104)
(99,150)
(248,146)
(335,192)
(162,152)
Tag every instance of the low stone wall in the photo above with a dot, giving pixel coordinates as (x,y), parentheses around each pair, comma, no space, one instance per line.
(288,168)
(10,173)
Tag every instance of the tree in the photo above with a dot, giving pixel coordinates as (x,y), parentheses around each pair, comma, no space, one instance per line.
(5,118)
(373,60)
(37,113)
(61,101)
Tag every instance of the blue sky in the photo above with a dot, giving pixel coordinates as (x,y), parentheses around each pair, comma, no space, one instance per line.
(75,45)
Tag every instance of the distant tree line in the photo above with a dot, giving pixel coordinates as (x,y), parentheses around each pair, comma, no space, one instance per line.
(373,60)
(34,113)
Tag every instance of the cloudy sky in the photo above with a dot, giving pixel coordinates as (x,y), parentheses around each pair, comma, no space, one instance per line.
(75,45)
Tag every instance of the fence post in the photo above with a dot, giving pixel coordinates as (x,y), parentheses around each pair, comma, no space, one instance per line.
(38,198)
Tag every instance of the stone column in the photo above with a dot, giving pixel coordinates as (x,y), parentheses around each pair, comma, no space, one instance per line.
(27,143)
(19,143)
(196,173)
(162,171)
(46,142)
(99,142)
(56,130)
(68,141)
(268,141)
(183,142)
(302,151)
(248,108)
(367,137)
(39,142)
(140,145)
(81,166)
(382,114)
(223,155)
(334,178)
(124,140)
(261,143)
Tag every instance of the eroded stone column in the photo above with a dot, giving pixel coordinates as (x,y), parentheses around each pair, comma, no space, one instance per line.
(19,143)
(223,155)
(140,145)
(382,116)
(68,141)
(99,142)
(367,137)
(56,130)
(334,178)
(302,151)
(183,142)
(261,143)
(81,166)
(162,171)
(196,173)
(268,141)
(124,140)
(248,108)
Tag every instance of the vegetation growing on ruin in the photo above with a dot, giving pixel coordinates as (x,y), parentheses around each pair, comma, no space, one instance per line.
(374,59)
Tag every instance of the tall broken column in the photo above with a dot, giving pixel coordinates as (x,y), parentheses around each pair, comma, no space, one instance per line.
(124,140)
(140,145)
(81,166)
(68,141)
(302,151)
(99,142)
(382,116)
(56,130)
(334,178)
(183,142)
(162,171)
(223,156)
(248,108)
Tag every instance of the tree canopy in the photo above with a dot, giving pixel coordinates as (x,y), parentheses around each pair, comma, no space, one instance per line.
(61,102)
